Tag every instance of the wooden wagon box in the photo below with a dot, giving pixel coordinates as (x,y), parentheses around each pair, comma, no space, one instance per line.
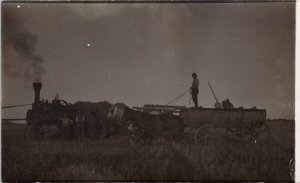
(221,118)
(250,124)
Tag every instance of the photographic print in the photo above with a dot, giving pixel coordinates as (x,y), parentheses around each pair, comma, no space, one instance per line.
(148,91)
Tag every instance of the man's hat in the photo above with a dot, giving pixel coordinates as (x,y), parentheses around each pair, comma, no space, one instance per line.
(194,74)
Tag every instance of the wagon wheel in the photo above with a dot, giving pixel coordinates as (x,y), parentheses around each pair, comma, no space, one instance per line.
(255,131)
(200,135)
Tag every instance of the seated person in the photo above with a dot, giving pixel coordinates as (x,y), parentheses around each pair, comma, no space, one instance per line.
(226,104)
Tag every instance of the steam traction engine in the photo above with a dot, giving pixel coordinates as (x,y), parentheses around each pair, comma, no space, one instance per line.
(44,116)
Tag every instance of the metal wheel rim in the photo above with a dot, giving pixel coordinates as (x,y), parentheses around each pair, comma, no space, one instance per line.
(255,131)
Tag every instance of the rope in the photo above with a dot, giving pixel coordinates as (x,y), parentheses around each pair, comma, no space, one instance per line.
(177,97)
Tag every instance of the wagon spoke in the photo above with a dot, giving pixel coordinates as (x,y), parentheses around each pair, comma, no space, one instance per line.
(252,126)
(248,130)
(255,131)
(200,135)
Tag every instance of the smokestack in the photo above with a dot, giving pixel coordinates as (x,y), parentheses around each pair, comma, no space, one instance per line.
(37,88)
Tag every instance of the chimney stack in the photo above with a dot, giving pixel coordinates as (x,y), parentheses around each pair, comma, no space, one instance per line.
(37,88)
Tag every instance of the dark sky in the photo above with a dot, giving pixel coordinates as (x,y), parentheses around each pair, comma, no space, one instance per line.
(145,53)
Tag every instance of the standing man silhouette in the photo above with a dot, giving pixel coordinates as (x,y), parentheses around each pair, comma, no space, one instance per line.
(194,89)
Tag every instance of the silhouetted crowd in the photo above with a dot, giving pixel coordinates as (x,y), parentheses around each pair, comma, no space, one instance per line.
(84,127)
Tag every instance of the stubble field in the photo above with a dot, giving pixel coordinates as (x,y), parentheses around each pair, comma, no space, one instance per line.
(222,158)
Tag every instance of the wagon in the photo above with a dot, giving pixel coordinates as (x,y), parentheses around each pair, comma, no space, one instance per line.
(248,124)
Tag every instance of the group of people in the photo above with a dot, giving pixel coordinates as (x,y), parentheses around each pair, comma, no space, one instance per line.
(194,89)
(84,127)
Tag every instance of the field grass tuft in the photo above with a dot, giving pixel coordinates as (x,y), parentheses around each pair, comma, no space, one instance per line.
(219,158)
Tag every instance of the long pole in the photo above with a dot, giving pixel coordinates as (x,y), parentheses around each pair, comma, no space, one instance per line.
(5,107)
(213,92)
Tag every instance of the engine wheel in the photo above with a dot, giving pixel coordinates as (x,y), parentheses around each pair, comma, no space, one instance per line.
(29,117)
(33,132)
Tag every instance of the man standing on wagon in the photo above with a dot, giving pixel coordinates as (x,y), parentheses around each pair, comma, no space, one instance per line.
(194,89)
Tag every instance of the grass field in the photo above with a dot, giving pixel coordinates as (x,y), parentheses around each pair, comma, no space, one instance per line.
(113,159)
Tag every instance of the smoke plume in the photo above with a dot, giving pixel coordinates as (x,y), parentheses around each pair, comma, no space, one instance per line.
(20,59)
